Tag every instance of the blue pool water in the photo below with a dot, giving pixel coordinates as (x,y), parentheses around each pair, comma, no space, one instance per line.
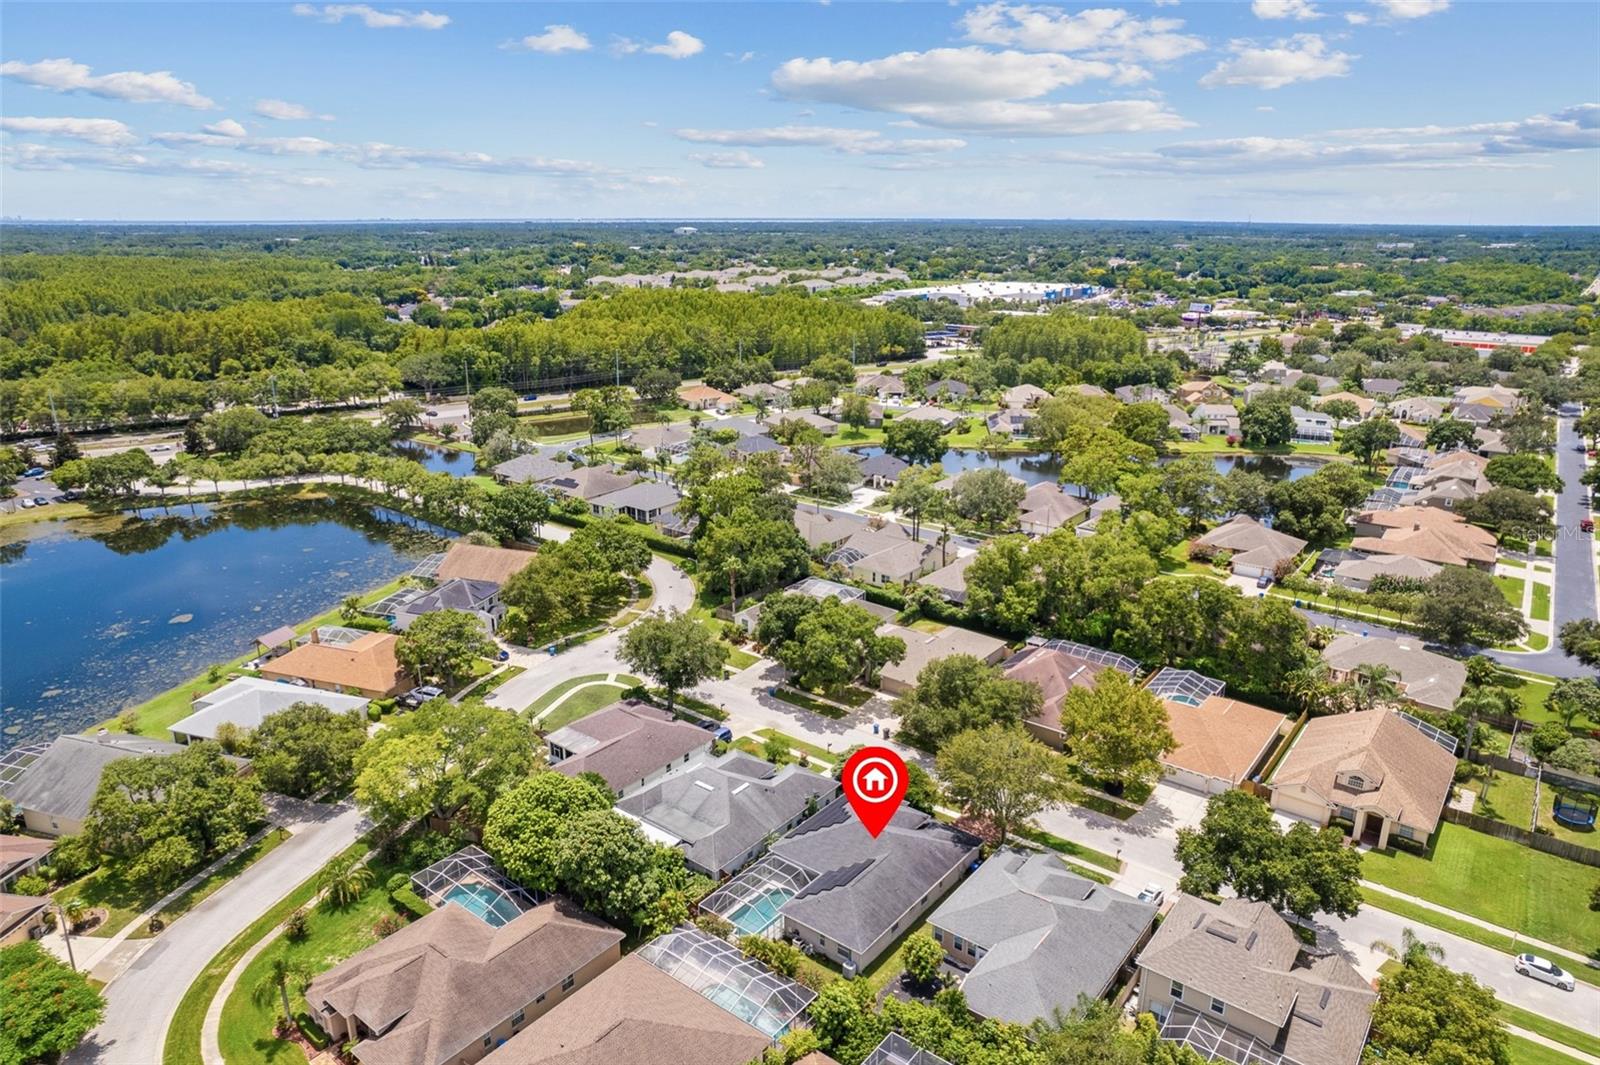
(755,916)
(484,903)
(730,999)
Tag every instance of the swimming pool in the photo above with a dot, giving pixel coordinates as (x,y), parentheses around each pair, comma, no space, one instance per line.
(484,903)
(755,916)
(730,999)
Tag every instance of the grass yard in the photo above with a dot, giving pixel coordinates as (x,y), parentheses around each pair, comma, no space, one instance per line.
(1586,1042)
(586,701)
(105,889)
(806,702)
(332,935)
(220,876)
(1527,1052)
(498,679)
(1105,861)
(1499,881)
(1510,799)
(1530,693)
(741,659)
(1511,587)
(799,745)
(1541,602)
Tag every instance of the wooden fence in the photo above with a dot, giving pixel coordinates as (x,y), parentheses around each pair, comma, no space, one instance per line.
(1500,830)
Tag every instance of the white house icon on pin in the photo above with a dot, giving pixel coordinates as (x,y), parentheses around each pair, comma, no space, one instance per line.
(874,779)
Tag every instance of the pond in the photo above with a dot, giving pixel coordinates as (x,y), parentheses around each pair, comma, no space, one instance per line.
(437,459)
(101,613)
(1043,467)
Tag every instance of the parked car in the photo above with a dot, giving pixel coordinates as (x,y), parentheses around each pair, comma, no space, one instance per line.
(162,447)
(1263,581)
(71,494)
(42,501)
(530,397)
(1587,525)
(34,472)
(27,503)
(1545,971)
(417,696)
(1152,894)
(433,414)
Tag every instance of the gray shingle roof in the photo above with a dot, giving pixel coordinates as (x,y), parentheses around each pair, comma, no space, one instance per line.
(534,468)
(865,885)
(1048,935)
(646,495)
(63,779)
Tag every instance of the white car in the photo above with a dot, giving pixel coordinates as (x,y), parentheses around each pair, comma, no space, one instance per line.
(1152,894)
(1544,970)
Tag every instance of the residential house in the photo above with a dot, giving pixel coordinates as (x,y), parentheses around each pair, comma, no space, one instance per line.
(1235,974)
(1357,574)
(721,811)
(950,581)
(1087,391)
(1203,390)
(821,423)
(1376,770)
(888,387)
(1499,397)
(474,562)
(1046,508)
(1385,387)
(947,390)
(629,743)
(1090,525)
(1256,389)
(634,1014)
(365,666)
(824,528)
(874,413)
(1426,679)
(1008,422)
(21,855)
(1222,743)
(1325,385)
(893,1049)
(246,701)
(589,482)
(1023,396)
(892,560)
(1311,427)
(1254,550)
(760,390)
(1056,667)
(1032,937)
(1276,371)
(654,440)
(897,678)
(1417,410)
(1491,442)
(22,918)
(532,468)
(704,397)
(1180,423)
(818,588)
(1364,405)
(1141,394)
(931,413)
(449,987)
(481,599)
(52,790)
(863,891)
(752,444)
(1448,480)
(1215,419)
(646,501)
(1427,533)
(882,471)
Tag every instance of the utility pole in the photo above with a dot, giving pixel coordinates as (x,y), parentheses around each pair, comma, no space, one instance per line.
(616,366)
(66,936)
(466,373)
(273,381)
(54,419)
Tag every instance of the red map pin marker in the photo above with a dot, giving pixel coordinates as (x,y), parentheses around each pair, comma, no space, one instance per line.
(874,780)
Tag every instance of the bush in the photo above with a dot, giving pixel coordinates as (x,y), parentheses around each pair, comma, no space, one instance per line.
(408,901)
(782,958)
(712,925)
(923,956)
(128,720)
(373,713)
(313,1032)
(427,848)
(385,706)
(397,882)
(389,924)
(73,857)
(32,884)
(294,926)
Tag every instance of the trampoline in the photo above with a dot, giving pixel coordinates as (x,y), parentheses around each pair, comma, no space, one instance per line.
(1575,813)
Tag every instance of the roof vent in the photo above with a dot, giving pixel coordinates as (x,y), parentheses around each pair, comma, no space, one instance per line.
(703,784)
(1248,943)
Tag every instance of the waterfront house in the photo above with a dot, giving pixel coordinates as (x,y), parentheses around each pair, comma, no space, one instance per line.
(1253,549)
(366,665)
(52,786)
(246,701)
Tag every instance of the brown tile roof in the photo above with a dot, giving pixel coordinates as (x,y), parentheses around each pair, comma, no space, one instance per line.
(367,664)
(633,1014)
(15,850)
(925,647)
(1251,542)
(446,980)
(1056,672)
(701,393)
(1428,533)
(626,742)
(1408,775)
(1221,737)
(474,562)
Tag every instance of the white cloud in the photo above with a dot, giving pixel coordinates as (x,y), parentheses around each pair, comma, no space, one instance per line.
(1303,57)
(1357,18)
(103,131)
(554,40)
(1108,33)
(974,89)
(1299,10)
(739,160)
(226,128)
(844,141)
(284,111)
(132,86)
(1404,9)
(678,45)
(372,18)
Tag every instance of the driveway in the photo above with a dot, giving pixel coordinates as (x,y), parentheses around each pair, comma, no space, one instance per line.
(142,1000)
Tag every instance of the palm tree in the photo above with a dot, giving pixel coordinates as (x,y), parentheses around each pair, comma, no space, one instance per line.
(281,972)
(1412,948)
(76,910)
(350,607)
(1311,689)
(344,879)
(1371,686)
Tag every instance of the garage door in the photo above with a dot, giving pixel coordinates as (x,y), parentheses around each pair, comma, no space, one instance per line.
(1188,778)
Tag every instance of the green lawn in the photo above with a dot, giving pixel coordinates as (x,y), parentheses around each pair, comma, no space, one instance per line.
(1533,1022)
(1527,1052)
(1541,602)
(1499,881)
(498,679)
(105,889)
(806,702)
(1530,693)
(1076,850)
(224,873)
(1512,588)
(332,935)
(587,701)
(799,745)
(1510,799)
(741,659)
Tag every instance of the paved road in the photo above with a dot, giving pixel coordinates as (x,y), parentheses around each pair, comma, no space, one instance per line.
(141,1002)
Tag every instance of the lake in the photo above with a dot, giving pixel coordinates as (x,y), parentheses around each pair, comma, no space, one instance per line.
(438,459)
(1043,467)
(101,613)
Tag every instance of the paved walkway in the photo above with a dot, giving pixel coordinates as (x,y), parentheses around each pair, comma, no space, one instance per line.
(142,1000)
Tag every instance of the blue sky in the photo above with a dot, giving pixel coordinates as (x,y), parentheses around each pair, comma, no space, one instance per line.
(1277,110)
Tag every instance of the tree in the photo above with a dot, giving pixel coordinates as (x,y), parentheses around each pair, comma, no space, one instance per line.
(525,823)
(1463,605)
(960,692)
(1001,774)
(1430,1015)
(658,387)
(306,749)
(1144,423)
(1365,440)
(1529,472)
(1267,421)
(1546,738)
(855,410)
(1313,508)
(64,449)
(230,431)
(917,496)
(1194,488)
(922,957)
(1096,458)
(605,863)
(815,394)
(274,983)
(1447,434)
(835,644)
(1581,640)
(402,415)
(751,549)
(918,442)
(1116,732)
(608,409)
(344,879)
(1341,411)
(445,760)
(48,1007)
(1369,687)
(444,644)
(674,650)
(517,512)
(1093,1033)
(987,497)
(1511,512)
(1238,844)
(1574,697)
